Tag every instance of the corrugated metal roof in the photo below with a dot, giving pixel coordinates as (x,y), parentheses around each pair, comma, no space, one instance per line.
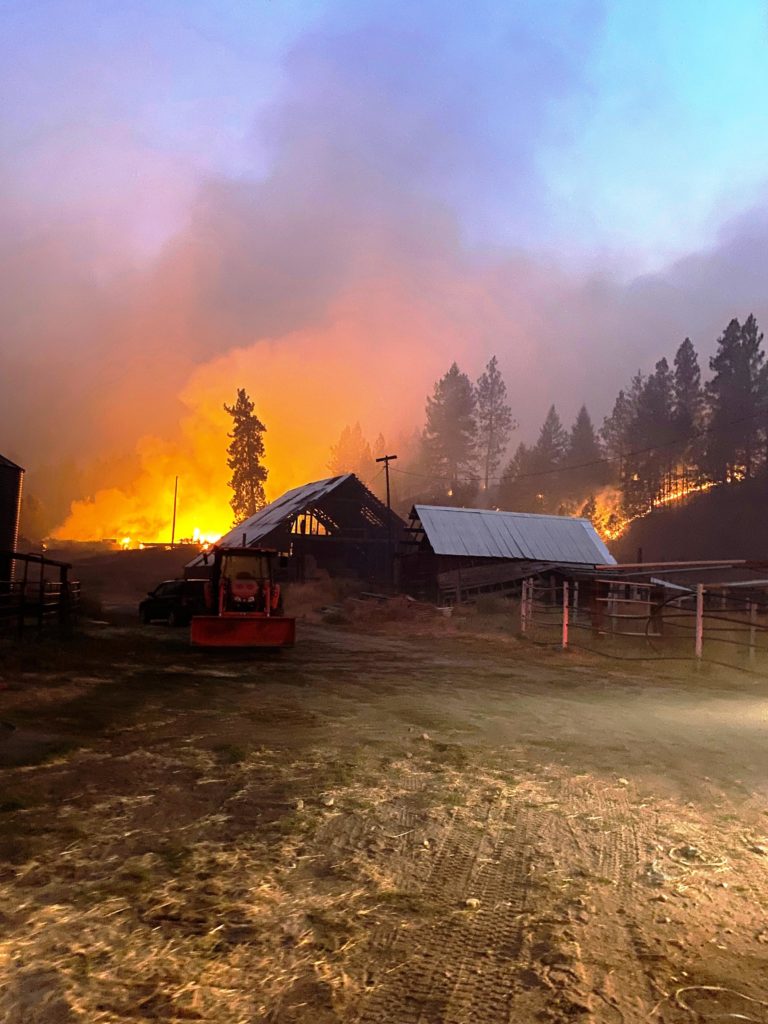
(8,464)
(278,512)
(484,533)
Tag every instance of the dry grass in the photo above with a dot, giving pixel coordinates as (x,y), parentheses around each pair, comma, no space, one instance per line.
(198,928)
(237,840)
(119,914)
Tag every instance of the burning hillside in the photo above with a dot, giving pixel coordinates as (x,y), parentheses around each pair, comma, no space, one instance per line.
(612,523)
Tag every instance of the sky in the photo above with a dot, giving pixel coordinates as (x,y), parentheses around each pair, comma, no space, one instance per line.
(204,190)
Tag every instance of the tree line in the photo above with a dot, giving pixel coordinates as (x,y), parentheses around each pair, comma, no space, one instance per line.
(668,432)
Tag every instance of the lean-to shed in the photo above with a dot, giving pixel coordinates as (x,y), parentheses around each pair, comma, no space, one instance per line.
(454,553)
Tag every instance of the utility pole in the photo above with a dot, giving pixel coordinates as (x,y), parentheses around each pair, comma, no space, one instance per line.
(175,496)
(386,459)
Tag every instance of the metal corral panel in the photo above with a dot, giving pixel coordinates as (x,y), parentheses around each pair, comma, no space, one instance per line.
(483,533)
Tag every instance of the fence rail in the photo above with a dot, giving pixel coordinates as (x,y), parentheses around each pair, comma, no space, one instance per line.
(702,624)
(31,598)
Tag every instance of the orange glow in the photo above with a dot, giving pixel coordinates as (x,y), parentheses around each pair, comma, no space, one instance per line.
(611,522)
(374,361)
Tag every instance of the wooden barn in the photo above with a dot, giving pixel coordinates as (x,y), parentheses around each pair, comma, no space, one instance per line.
(456,553)
(336,525)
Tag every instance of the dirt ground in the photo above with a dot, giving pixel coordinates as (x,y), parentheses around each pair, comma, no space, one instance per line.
(379,827)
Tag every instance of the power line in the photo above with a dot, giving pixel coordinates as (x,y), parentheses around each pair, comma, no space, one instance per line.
(606,460)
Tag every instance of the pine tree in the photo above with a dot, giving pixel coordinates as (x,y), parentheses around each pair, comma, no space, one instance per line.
(352,454)
(689,397)
(451,431)
(246,453)
(736,396)
(688,410)
(583,458)
(494,419)
(651,436)
(552,444)
(615,434)
(518,489)
(545,459)
(616,431)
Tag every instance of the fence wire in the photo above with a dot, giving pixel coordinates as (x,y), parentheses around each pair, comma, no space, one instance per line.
(680,627)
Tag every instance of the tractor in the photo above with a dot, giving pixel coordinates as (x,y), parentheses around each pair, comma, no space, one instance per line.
(244,603)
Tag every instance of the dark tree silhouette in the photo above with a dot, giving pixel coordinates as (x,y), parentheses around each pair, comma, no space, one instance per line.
(586,472)
(736,396)
(450,433)
(519,492)
(531,481)
(688,414)
(648,467)
(552,444)
(246,452)
(616,431)
(494,420)
(689,396)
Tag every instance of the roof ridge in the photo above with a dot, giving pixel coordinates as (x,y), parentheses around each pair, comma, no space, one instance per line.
(507,512)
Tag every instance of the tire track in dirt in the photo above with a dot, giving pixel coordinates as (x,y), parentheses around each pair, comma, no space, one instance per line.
(458,966)
(609,842)
(555,869)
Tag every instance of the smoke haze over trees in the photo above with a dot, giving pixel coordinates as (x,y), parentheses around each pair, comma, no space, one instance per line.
(668,435)
(337,204)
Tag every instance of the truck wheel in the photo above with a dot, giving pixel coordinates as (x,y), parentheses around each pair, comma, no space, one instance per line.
(145,617)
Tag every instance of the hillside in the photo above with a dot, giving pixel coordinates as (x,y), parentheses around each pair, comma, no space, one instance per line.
(726,522)
(122,578)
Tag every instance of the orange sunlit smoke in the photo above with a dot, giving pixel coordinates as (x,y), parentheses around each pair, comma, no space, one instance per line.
(307,387)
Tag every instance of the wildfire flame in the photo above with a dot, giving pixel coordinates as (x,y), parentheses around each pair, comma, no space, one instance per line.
(612,523)
(304,398)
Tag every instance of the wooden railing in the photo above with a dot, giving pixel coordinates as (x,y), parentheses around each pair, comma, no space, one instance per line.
(33,598)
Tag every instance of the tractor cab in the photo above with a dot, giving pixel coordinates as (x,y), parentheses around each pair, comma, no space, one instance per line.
(244,603)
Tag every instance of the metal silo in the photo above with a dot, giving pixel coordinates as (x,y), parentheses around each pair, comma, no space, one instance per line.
(10,508)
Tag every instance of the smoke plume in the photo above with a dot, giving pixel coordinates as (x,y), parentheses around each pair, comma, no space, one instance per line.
(335,282)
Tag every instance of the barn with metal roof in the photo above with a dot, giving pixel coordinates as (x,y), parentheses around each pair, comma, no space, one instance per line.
(336,525)
(454,553)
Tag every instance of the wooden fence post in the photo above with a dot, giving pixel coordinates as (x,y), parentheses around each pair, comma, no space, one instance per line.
(699,621)
(524,606)
(565,614)
(752,629)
